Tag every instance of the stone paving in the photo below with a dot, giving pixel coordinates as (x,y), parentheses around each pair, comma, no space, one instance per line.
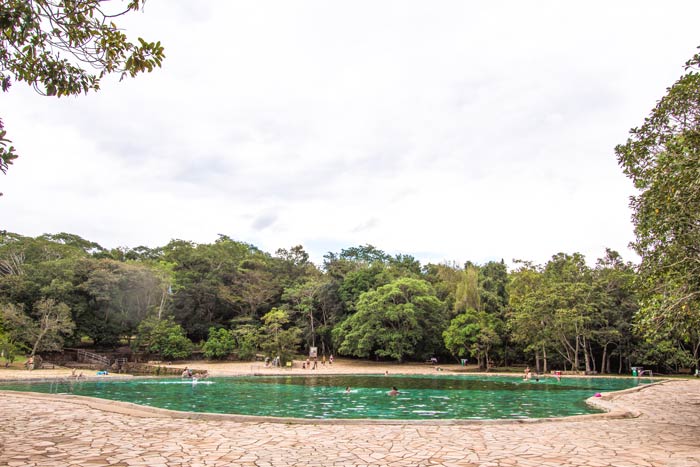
(50,431)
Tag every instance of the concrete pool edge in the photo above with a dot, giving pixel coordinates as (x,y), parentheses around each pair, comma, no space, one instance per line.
(606,402)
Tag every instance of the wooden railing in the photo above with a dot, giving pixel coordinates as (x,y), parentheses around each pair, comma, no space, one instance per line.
(85,356)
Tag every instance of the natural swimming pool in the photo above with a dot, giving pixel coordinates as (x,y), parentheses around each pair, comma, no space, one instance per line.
(473,397)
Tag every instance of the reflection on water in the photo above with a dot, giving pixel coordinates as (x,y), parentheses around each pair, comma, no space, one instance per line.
(421,396)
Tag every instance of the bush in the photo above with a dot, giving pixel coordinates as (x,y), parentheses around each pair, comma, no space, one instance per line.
(163,337)
(221,344)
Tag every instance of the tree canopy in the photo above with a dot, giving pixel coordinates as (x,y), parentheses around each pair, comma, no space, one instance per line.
(662,157)
(63,48)
(229,299)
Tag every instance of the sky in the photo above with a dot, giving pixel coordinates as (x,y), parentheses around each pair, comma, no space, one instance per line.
(450,130)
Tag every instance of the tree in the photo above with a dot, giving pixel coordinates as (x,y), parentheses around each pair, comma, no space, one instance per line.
(401,319)
(302,303)
(221,344)
(247,337)
(614,283)
(122,294)
(17,327)
(164,337)
(54,321)
(662,157)
(63,48)
(44,333)
(473,332)
(467,294)
(529,318)
(8,350)
(493,290)
(277,339)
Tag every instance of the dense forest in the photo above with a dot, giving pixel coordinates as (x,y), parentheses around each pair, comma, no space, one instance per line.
(229,299)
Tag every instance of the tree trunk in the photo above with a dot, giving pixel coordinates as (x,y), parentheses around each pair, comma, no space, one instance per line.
(36,344)
(313,331)
(544,358)
(537,361)
(619,368)
(603,360)
(586,356)
(590,352)
(576,352)
(162,304)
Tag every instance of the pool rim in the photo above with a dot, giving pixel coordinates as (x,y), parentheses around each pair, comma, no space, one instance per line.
(605,402)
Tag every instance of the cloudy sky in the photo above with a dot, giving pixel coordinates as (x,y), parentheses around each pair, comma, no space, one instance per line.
(448,130)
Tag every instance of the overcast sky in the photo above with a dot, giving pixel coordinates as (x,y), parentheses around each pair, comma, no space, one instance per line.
(448,130)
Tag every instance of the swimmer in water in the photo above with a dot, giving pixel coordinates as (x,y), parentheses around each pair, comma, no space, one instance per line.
(394,391)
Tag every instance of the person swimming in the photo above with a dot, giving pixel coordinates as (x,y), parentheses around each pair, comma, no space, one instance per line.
(394,391)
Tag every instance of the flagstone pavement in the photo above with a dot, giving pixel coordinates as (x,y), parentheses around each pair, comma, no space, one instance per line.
(50,431)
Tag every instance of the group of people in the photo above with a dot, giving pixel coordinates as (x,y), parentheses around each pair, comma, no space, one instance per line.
(393,392)
(275,362)
(307,364)
(528,375)
(188,374)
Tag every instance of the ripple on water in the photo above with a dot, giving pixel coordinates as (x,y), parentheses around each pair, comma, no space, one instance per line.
(424,396)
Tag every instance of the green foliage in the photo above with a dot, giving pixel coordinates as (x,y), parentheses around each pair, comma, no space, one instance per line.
(164,337)
(121,295)
(36,33)
(64,48)
(473,333)
(43,331)
(662,157)
(247,338)
(221,344)
(467,293)
(366,304)
(7,153)
(277,339)
(8,350)
(397,320)
(54,322)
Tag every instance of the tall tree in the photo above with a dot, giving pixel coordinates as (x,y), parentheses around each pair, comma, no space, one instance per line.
(662,157)
(278,338)
(473,333)
(529,318)
(123,295)
(45,332)
(401,319)
(614,283)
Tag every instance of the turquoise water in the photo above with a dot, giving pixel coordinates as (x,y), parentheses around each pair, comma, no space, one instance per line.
(421,397)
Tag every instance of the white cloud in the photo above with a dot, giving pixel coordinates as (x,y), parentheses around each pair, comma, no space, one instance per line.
(449,131)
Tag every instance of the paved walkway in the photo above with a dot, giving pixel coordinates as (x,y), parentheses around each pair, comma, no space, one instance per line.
(50,432)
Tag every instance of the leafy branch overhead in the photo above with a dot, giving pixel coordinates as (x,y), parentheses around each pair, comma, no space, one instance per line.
(662,157)
(65,47)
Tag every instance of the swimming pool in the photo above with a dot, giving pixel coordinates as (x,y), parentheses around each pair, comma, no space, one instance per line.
(474,397)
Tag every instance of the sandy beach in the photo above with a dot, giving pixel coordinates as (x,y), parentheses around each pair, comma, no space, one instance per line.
(215,368)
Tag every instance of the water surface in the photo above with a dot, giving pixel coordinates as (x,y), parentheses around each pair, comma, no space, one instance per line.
(421,396)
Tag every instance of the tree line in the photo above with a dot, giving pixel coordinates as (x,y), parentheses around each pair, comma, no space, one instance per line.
(229,299)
